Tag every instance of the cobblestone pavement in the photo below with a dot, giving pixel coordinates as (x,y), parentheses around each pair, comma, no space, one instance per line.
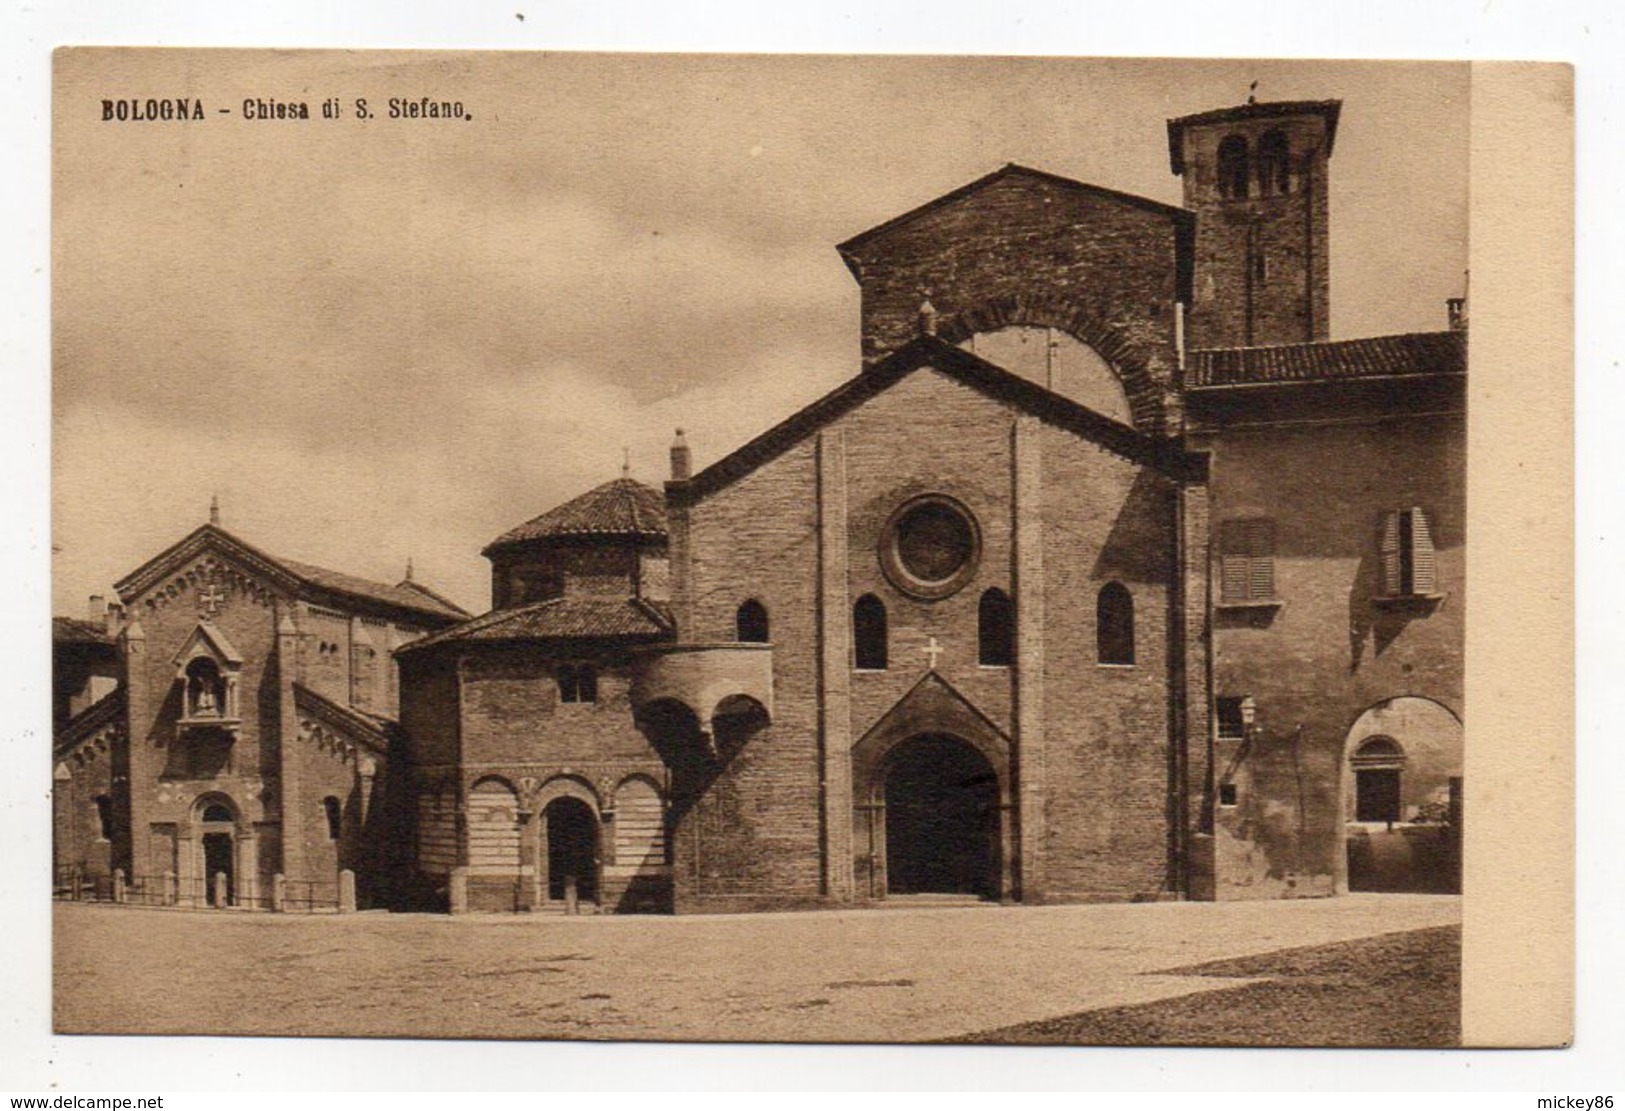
(912,974)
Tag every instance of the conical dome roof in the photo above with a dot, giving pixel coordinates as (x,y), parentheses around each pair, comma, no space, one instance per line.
(623,508)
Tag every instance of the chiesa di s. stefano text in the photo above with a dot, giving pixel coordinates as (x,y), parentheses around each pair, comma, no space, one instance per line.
(1107,575)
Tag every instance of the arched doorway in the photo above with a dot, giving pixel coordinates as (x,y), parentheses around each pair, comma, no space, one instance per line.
(942,819)
(571,831)
(1401,799)
(217,827)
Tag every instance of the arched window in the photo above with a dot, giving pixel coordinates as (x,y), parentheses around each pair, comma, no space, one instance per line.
(995,629)
(751,622)
(1233,167)
(1274,164)
(869,633)
(104,817)
(1378,763)
(1114,625)
(335,817)
(578,683)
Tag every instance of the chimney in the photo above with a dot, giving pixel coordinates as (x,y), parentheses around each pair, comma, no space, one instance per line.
(680,460)
(1456,308)
(98,609)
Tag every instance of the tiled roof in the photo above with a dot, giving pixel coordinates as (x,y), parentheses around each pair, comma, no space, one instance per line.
(560,619)
(408,594)
(1375,357)
(289,575)
(1269,109)
(71,630)
(625,507)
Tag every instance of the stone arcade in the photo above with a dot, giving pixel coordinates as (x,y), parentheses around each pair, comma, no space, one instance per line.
(1107,577)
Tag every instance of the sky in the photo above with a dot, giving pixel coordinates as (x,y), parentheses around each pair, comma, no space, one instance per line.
(388,339)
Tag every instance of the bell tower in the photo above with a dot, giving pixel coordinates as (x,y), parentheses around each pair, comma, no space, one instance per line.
(1255,176)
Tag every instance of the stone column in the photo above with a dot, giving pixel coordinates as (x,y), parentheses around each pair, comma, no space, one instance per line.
(290,797)
(64,844)
(1028,581)
(835,667)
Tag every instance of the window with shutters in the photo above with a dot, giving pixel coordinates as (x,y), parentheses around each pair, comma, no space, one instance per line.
(1408,565)
(1247,562)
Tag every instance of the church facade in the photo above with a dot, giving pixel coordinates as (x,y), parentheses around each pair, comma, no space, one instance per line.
(1107,577)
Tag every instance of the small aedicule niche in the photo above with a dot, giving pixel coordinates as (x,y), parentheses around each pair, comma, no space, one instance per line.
(930,547)
(578,682)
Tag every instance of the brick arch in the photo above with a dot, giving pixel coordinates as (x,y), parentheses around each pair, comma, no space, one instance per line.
(1141,387)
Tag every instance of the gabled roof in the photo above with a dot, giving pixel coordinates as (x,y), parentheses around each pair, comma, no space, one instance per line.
(106,711)
(1273,109)
(219,647)
(962,366)
(1009,169)
(369,731)
(295,578)
(1373,357)
(560,619)
(623,508)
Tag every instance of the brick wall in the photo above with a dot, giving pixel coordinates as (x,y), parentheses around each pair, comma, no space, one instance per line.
(1291,301)
(1330,651)
(1106,726)
(1027,250)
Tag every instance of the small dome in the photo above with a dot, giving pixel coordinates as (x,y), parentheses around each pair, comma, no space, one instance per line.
(623,508)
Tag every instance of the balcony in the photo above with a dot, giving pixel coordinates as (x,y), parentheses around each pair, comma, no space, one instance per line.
(710,681)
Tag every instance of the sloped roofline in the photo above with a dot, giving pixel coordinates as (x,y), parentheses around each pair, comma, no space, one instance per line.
(863,238)
(279,572)
(1270,109)
(370,731)
(461,633)
(977,373)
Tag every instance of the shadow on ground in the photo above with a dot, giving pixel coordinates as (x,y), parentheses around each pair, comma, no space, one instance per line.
(1393,990)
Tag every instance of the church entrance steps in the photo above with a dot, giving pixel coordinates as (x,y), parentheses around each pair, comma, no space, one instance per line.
(926,900)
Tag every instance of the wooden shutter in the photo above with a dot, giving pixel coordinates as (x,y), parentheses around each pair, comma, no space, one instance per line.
(1261,561)
(1233,561)
(1392,577)
(1423,577)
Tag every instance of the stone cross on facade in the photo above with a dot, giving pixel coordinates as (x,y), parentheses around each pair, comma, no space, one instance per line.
(209,598)
(932,651)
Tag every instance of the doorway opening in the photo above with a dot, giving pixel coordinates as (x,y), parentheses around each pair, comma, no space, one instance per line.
(942,819)
(572,849)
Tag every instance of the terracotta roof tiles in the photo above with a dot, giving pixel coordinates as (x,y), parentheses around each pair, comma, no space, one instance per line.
(624,507)
(1374,357)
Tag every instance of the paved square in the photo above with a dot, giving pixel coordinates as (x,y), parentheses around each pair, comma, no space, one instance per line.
(913,974)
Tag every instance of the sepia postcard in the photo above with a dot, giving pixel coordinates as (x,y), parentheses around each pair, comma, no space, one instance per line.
(810,548)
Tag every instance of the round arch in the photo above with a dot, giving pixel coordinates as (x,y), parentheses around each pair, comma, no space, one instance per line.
(1141,388)
(1410,747)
